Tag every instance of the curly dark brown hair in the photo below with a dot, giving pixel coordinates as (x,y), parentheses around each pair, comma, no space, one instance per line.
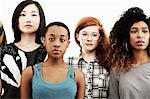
(120,53)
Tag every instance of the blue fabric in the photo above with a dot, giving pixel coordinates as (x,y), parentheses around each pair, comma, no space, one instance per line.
(43,90)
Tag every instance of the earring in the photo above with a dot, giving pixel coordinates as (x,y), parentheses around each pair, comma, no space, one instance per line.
(42,39)
(126,46)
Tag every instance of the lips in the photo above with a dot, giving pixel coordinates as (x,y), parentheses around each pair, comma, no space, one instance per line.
(28,26)
(140,43)
(89,44)
(56,51)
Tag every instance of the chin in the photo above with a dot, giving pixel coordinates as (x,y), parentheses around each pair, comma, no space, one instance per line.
(90,49)
(141,48)
(57,56)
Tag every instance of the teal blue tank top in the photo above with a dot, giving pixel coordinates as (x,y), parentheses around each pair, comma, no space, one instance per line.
(44,90)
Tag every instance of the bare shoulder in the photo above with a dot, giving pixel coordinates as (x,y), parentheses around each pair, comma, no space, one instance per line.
(78,75)
(78,72)
(28,72)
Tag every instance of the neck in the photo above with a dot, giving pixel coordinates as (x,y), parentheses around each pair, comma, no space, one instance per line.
(27,42)
(89,56)
(141,57)
(28,38)
(55,62)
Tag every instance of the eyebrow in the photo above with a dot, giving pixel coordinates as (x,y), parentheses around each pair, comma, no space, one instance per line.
(54,35)
(51,35)
(91,32)
(84,31)
(140,28)
(96,32)
(31,11)
(62,35)
(34,11)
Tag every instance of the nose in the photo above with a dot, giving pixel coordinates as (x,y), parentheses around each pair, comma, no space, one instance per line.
(140,34)
(89,38)
(57,43)
(28,19)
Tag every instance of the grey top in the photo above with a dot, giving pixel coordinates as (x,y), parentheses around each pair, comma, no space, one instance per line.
(134,84)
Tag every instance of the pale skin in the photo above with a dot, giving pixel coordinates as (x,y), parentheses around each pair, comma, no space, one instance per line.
(29,21)
(54,69)
(139,40)
(89,42)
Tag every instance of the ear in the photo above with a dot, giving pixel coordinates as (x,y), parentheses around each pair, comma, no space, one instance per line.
(43,40)
(77,36)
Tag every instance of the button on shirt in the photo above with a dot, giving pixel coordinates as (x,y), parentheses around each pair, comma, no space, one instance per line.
(97,73)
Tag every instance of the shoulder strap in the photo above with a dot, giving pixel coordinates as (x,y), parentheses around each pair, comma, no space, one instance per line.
(71,71)
(32,69)
(38,68)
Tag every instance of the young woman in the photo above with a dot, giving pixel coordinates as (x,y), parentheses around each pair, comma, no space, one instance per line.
(91,37)
(28,23)
(53,79)
(130,56)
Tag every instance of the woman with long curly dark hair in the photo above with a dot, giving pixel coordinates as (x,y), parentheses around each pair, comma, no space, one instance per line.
(130,56)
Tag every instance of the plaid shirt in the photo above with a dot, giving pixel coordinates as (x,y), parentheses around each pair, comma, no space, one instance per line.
(99,76)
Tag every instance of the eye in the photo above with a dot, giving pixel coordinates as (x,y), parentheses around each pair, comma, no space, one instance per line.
(34,15)
(84,34)
(22,14)
(62,40)
(133,31)
(95,35)
(52,39)
(144,31)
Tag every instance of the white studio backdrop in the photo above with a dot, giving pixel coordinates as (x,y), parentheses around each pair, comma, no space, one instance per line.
(71,11)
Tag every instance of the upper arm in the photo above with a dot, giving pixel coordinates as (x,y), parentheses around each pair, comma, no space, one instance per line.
(26,83)
(114,85)
(80,84)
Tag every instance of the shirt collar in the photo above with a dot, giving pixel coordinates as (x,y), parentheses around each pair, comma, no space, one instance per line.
(82,59)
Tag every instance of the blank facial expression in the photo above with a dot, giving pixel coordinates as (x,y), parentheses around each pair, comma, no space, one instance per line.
(29,19)
(56,40)
(89,38)
(139,35)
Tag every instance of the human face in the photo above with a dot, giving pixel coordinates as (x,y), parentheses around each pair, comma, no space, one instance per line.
(56,41)
(139,35)
(89,38)
(29,19)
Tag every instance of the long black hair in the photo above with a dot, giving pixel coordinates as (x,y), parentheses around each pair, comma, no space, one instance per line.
(16,14)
